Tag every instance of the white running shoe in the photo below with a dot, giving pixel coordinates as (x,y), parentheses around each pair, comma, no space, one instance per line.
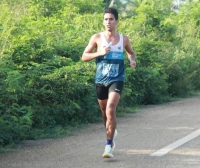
(108,152)
(115,135)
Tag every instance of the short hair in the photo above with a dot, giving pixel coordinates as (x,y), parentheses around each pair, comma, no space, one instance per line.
(112,11)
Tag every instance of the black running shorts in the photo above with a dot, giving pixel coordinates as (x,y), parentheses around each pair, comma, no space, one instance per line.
(103,91)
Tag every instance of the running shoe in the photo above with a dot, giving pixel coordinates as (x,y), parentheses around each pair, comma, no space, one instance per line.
(115,135)
(108,152)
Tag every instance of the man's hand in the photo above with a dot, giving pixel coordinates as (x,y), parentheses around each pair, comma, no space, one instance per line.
(132,64)
(104,51)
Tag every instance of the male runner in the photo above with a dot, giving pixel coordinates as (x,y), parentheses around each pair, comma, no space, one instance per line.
(109,79)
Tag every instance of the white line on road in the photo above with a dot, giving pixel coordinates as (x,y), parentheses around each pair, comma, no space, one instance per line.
(176,144)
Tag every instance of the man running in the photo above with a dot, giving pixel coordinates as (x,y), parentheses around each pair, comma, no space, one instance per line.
(109,79)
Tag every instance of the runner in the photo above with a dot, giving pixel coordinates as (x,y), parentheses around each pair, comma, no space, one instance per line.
(109,79)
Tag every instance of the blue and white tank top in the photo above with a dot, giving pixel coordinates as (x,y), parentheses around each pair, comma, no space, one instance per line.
(110,68)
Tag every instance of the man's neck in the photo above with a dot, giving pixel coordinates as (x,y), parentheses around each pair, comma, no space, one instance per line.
(110,34)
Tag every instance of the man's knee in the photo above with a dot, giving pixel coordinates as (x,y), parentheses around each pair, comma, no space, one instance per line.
(110,111)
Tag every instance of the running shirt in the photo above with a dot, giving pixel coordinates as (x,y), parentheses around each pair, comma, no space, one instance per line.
(110,68)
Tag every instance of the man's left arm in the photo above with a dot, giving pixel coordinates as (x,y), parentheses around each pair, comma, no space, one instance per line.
(130,52)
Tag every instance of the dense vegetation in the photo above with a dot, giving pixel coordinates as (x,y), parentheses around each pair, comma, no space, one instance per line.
(43,83)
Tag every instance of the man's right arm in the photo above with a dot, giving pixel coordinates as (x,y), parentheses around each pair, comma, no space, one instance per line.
(88,53)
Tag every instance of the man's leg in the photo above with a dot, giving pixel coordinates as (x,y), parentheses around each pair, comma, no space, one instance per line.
(108,100)
(111,122)
(103,104)
(102,95)
(108,109)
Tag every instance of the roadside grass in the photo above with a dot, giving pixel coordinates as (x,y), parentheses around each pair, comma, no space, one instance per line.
(122,111)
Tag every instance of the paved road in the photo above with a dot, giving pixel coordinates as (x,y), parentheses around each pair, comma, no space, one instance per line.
(140,134)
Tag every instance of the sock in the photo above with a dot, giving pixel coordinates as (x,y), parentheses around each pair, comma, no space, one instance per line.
(109,142)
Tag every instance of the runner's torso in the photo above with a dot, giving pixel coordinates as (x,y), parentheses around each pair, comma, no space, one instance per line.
(110,68)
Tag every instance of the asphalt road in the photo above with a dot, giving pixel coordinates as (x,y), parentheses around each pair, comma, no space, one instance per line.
(173,128)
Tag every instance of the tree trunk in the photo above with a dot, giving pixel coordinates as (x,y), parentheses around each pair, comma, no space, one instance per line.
(112,3)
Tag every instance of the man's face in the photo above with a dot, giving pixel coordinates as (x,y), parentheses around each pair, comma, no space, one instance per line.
(109,21)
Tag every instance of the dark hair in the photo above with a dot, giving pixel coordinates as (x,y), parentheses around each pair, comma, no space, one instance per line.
(112,11)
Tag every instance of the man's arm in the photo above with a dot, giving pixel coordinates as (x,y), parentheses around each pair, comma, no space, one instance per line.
(130,52)
(88,53)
